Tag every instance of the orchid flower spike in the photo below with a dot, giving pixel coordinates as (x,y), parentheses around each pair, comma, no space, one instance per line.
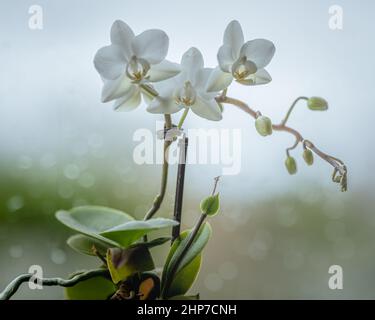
(242,61)
(187,90)
(130,61)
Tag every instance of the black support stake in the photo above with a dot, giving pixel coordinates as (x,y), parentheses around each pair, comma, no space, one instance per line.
(183,145)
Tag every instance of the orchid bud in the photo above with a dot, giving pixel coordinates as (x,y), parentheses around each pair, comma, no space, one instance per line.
(263,125)
(291,165)
(316,103)
(308,156)
(210,206)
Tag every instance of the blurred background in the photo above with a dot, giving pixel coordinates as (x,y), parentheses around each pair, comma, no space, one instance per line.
(277,235)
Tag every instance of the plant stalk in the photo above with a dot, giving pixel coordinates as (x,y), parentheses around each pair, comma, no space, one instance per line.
(12,287)
(183,117)
(336,163)
(164,176)
(291,109)
(180,187)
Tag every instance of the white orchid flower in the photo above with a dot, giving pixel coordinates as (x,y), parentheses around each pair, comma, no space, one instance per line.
(245,62)
(130,61)
(187,90)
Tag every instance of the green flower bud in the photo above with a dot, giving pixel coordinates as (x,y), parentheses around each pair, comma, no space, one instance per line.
(308,156)
(263,125)
(210,205)
(316,103)
(291,165)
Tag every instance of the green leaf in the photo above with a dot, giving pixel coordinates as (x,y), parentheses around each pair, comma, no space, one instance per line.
(124,262)
(92,220)
(98,288)
(84,244)
(210,205)
(193,252)
(185,278)
(129,232)
(152,243)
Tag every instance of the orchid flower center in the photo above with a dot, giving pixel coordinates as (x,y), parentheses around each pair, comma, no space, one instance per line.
(137,69)
(242,68)
(185,95)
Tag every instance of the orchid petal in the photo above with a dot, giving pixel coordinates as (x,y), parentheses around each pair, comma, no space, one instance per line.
(130,101)
(147,98)
(122,36)
(218,80)
(164,70)
(151,45)
(201,78)
(114,89)
(225,58)
(259,51)
(167,87)
(207,95)
(208,109)
(163,105)
(233,38)
(110,62)
(258,78)
(191,62)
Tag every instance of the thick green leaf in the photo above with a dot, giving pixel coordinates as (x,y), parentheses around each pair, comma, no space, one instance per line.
(84,244)
(195,249)
(124,262)
(193,252)
(129,232)
(185,278)
(92,220)
(152,243)
(98,288)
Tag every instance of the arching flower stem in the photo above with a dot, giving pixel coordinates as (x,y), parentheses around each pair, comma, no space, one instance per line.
(337,164)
